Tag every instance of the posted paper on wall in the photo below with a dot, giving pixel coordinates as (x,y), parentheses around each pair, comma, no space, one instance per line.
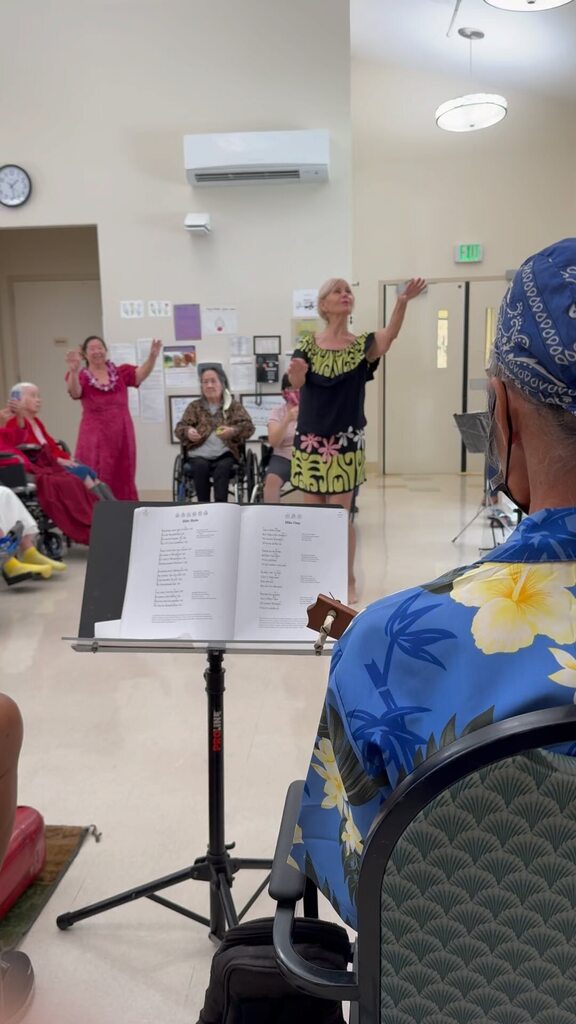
(242,374)
(159,307)
(180,366)
(304,301)
(240,346)
(152,408)
(121,353)
(187,326)
(131,309)
(219,320)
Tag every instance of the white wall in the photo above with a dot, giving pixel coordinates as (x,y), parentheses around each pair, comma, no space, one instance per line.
(102,93)
(419,190)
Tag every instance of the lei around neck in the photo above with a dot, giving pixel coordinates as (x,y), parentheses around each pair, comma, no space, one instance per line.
(112,378)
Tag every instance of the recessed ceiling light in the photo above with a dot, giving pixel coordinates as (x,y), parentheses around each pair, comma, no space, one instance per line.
(471,113)
(527,5)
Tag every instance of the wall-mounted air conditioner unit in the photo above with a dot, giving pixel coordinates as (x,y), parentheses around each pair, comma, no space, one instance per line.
(247,157)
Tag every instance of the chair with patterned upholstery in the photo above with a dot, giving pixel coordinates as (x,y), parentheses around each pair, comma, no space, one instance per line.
(467,888)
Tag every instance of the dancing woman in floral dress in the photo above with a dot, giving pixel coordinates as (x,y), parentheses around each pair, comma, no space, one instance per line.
(332,369)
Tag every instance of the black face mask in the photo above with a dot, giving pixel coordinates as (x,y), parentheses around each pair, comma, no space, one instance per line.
(500,481)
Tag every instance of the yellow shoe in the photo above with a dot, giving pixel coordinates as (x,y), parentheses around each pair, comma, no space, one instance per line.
(33,557)
(14,571)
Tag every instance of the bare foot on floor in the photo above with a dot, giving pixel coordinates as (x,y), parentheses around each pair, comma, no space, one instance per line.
(352,592)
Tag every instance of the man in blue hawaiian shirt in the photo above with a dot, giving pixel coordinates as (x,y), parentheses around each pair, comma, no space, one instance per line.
(418,669)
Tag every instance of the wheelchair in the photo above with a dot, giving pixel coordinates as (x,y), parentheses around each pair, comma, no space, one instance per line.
(243,485)
(51,541)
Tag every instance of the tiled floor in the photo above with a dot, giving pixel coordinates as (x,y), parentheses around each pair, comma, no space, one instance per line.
(120,740)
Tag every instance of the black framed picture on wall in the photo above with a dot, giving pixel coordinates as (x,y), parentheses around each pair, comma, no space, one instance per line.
(178,405)
(264,343)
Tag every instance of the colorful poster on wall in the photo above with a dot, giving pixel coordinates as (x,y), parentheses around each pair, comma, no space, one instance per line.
(219,320)
(187,325)
(180,366)
(308,325)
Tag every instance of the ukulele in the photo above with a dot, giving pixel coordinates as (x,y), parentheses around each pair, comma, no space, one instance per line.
(328,618)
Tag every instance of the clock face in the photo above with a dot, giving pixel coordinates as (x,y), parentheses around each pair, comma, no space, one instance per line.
(15,185)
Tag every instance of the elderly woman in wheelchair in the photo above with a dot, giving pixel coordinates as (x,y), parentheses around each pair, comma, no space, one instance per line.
(57,491)
(27,429)
(212,432)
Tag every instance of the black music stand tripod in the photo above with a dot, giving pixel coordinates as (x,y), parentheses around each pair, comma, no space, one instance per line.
(473,427)
(216,866)
(103,597)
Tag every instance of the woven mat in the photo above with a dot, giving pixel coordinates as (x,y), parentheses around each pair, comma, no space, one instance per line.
(62,844)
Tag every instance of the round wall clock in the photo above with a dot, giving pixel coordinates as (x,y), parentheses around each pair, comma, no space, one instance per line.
(15,185)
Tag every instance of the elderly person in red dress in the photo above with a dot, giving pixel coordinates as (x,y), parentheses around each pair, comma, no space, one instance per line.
(26,428)
(60,482)
(106,439)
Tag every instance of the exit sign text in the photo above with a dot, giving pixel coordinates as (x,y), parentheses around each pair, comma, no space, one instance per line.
(468,252)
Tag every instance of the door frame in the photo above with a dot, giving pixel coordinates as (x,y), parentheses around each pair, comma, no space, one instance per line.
(15,279)
(394,282)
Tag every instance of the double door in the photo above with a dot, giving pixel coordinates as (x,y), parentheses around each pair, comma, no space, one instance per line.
(437,367)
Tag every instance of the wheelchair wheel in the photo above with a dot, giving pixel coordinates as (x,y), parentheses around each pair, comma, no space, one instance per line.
(251,477)
(177,478)
(239,486)
(51,545)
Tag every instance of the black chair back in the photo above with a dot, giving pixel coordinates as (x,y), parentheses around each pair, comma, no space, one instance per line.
(467,884)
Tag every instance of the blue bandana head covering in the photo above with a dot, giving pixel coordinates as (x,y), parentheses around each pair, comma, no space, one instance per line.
(535,340)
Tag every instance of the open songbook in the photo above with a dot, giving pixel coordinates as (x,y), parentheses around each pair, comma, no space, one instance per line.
(231,572)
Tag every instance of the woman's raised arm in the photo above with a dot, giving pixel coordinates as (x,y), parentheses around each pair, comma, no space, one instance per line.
(148,365)
(384,338)
(73,362)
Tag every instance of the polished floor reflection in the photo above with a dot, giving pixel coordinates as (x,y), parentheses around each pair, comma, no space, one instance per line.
(119,740)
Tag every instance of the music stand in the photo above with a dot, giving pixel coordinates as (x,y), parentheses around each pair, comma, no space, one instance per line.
(474,427)
(103,598)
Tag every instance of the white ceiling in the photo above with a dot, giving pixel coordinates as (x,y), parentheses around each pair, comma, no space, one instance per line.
(532,51)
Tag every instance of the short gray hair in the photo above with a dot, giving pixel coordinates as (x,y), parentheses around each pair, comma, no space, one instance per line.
(325,290)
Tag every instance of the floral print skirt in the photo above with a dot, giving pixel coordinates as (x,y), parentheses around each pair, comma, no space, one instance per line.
(328,465)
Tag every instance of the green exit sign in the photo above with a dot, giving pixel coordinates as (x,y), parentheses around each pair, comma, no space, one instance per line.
(468,252)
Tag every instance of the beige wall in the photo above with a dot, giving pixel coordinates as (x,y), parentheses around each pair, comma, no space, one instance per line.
(41,254)
(99,124)
(116,85)
(510,187)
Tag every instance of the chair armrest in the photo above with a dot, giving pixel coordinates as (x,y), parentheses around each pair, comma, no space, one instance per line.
(287,886)
(286,882)
(13,455)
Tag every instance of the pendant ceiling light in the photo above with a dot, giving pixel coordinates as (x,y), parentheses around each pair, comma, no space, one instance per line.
(527,5)
(471,113)
(476,110)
